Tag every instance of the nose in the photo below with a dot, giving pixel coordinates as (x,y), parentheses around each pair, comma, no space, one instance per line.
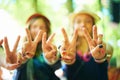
(37,29)
(82,24)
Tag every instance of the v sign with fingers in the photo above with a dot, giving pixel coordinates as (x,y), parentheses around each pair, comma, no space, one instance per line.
(29,47)
(11,56)
(49,49)
(68,48)
(96,45)
(10,61)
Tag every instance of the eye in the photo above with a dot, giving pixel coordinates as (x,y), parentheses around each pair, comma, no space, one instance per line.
(88,21)
(78,21)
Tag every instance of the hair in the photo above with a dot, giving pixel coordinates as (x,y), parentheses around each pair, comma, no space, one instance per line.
(82,13)
(30,21)
(30,65)
(36,16)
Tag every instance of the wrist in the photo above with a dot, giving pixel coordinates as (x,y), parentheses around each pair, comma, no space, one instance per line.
(68,58)
(69,62)
(51,60)
(102,59)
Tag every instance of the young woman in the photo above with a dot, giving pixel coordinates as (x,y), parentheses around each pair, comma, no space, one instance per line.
(85,55)
(38,54)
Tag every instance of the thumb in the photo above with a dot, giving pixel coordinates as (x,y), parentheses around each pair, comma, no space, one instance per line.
(96,49)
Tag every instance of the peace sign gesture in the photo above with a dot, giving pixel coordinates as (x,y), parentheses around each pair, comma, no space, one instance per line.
(68,48)
(96,45)
(29,47)
(11,56)
(49,49)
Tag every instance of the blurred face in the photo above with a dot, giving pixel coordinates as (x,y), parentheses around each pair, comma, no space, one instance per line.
(83,21)
(36,26)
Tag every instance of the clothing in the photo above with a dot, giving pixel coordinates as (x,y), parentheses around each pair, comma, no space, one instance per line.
(43,71)
(38,70)
(90,70)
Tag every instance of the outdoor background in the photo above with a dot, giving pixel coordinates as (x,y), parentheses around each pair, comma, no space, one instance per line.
(14,13)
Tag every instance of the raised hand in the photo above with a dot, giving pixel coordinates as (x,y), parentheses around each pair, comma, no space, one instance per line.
(68,48)
(11,56)
(49,49)
(96,45)
(29,47)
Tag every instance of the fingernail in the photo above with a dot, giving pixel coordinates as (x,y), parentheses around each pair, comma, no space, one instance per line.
(100,46)
(59,46)
(19,62)
(23,55)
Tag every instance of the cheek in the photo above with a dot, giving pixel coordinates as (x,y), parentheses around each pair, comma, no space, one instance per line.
(76,26)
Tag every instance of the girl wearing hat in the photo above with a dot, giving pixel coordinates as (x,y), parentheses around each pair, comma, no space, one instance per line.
(90,62)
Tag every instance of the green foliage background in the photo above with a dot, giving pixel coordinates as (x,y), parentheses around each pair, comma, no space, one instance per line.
(57,11)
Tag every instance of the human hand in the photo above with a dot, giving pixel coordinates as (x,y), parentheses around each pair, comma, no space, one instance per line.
(11,56)
(29,47)
(96,45)
(68,48)
(49,49)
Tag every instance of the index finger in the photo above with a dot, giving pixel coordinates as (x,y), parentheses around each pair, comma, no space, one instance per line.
(39,36)
(87,36)
(95,33)
(44,39)
(74,38)
(65,35)
(28,35)
(50,38)
(16,44)
(7,49)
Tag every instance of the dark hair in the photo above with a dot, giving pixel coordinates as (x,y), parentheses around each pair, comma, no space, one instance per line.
(35,16)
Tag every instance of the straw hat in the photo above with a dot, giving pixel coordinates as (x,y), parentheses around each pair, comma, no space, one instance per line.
(84,11)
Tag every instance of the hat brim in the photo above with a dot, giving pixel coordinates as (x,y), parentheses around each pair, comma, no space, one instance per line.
(93,15)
